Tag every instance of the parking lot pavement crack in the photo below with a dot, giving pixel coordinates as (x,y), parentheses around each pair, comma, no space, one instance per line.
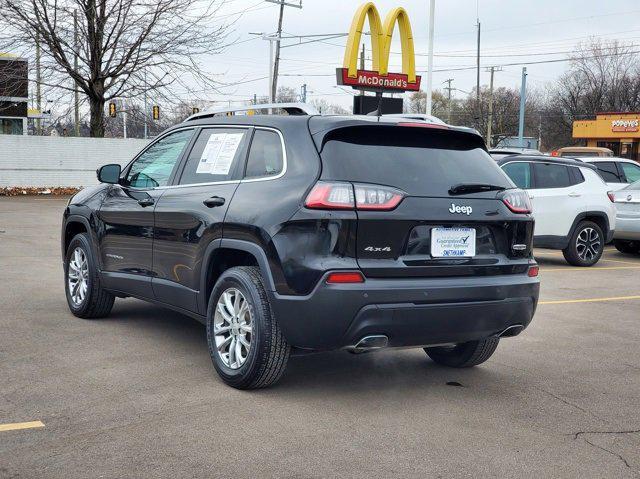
(578,434)
(575,406)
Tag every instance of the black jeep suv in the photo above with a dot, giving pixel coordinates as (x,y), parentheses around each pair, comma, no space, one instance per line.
(286,234)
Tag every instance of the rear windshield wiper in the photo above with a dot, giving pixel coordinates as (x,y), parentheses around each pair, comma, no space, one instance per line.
(463,188)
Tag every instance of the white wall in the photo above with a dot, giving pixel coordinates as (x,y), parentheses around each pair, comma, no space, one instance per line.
(60,161)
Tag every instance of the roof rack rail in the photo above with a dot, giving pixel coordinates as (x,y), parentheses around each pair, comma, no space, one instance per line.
(290,108)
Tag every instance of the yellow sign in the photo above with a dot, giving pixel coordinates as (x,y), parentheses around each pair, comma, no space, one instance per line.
(381,47)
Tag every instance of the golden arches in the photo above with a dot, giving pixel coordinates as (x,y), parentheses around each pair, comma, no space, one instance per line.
(380,41)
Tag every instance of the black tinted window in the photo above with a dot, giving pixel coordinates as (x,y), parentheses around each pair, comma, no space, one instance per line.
(520,173)
(215,156)
(265,155)
(609,171)
(552,176)
(153,167)
(418,160)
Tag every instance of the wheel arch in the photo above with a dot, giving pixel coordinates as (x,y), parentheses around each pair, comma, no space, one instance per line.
(598,217)
(224,254)
(73,225)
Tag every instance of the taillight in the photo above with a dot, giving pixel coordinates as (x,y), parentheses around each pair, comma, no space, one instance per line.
(555,153)
(337,195)
(343,277)
(533,271)
(331,196)
(517,201)
(611,196)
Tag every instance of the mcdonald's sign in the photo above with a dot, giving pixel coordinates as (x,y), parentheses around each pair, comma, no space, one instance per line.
(379,78)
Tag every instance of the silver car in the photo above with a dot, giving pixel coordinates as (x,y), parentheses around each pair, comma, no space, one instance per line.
(627,235)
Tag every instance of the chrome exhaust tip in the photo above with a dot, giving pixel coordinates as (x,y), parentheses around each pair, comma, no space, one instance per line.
(370,343)
(511,331)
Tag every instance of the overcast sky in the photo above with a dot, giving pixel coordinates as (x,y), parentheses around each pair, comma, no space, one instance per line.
(513,31)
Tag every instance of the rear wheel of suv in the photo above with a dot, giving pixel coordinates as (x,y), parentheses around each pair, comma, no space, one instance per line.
(628,247)
(464,355)
(245,342)
(585,246)
(85,296)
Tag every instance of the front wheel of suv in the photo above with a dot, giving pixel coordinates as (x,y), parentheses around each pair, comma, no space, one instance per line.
(464,355)
(585,246)
(628,247)
(85,296)
(245,342)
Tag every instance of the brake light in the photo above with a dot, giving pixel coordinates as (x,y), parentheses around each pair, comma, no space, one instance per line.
(517,201)
(424,125)
(555,153)
(611,196)
(338,195)
(331,196)
(343,277)
(533,271)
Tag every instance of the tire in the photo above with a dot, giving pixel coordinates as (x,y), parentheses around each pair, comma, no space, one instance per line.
(627,247)
(88,300)
(265,360)
(464,355)
(586,245)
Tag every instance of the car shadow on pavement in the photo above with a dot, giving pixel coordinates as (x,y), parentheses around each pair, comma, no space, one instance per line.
(337,372)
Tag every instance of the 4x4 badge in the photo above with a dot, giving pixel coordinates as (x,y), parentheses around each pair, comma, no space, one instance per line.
(464,210)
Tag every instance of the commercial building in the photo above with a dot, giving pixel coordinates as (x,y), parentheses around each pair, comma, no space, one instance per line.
(618,131)
(14,95)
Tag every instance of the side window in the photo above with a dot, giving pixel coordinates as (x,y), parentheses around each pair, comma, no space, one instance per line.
(520,173)
(215,156)
(551,176)
(265,156)
(576,175)
(608,171)
(153,167)
(631,171)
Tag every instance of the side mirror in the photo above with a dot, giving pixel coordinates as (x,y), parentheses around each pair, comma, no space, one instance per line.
(109,174)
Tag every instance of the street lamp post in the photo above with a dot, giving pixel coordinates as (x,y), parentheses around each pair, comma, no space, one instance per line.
(432,9)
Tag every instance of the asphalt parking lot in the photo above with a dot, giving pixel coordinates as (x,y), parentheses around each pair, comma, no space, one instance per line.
(135,395)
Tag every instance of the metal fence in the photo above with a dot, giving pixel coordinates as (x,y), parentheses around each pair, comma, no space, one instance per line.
(45,161)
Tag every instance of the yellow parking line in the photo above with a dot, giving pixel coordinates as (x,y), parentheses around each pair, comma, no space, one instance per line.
(575,268)
(590,300)
(20,425)
(637,263)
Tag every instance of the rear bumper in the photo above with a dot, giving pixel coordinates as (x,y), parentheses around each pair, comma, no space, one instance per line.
(410,312)
(627,228)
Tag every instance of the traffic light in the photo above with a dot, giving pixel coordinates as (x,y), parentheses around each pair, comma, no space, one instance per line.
(112,109)
(195,110)
(156,112)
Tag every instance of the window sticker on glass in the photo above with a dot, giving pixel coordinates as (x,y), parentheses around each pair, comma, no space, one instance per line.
(219,152)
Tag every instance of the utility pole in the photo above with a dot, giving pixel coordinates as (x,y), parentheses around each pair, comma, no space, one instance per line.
(492,70)
(146,107)
(449,88)
(478,75)
(38,91)
(432,9)
(303,95)
(276,61)
(523,94)
(76,95)
(124,118)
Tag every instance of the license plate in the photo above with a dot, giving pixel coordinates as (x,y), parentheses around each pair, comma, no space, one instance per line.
(453,242)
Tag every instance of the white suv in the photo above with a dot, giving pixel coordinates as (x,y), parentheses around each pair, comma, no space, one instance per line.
(572,206)
(616,172)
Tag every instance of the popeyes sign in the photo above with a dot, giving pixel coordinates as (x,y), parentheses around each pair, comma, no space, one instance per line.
(624,125)
(379,78)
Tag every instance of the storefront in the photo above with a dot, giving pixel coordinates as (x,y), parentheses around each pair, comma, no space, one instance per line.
(618,131)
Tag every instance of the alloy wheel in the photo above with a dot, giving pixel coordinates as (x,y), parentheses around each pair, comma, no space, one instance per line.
(232,328)
(588,244)
(78,276)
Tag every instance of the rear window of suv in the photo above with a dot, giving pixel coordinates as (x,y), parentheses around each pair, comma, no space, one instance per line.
(420,161)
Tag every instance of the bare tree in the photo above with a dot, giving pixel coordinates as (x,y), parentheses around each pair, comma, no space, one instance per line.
(603,76)
(122,48)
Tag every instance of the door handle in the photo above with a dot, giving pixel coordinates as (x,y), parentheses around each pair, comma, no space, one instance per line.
(574,195)
(144,202)
(213,202)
